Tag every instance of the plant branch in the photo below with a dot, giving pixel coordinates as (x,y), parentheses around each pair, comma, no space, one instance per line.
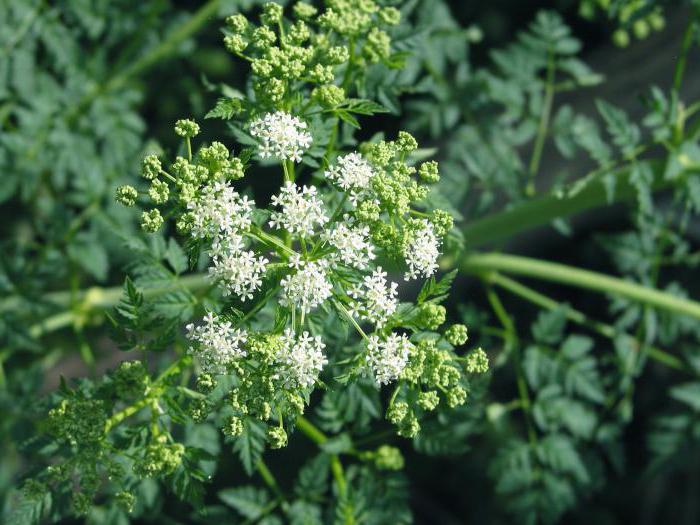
(577,277)
(579,317)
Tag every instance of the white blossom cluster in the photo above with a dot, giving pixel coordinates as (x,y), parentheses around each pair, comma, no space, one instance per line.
(352,172)
(281,135)
(218,343)
(302,359)
(388,357)
(301,210)
(422,252)
(306,287)
(219,211)
(239,271)
(221,214)
(373,299)
(353,244)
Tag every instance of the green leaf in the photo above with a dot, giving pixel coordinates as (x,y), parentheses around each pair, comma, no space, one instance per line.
(312,479)
(625,134)
(436,290)
(250,444)
(176,257)
(688,393)
(249,501)
(225,108)
(549,327)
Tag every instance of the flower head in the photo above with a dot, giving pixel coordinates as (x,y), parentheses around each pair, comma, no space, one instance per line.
(422,251)
(239,271)
(302,210)
(281,135)
(219,211)
(308,287)
(301,358)
(373,299)
(351,173)
(353,244)
(217,343)
(387,358)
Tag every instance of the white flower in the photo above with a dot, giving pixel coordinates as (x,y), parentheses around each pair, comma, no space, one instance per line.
(218,344)
(351,172)
(301,211)
(388,358)
(352,243)
(308,287)
(422,252)
(373,299)
(282,136)
(220,211)
(302,359)
(239,271)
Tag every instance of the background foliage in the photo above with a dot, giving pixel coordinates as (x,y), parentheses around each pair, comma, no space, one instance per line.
(592,403)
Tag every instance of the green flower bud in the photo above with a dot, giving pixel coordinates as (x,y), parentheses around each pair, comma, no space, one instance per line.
(233,169)
(126,195)
(378,46)
(456,334)
(621,38)
(272,13)
(235,43)
(428,172)
(368,211)
(322,74)
(442,222)
(641,29)
(388,458)
(477,362)
(261,67)
(430,316)
(186,128)
(237,23)
(233,427)
(216,152)
(263,37)
(337,55)
(205,383)
(456,396)
(277,437)
(304,10)
(150,167)
(159,192)
(299,32)
(397,412)
(329,96)
(390,15)
(428,400)
(151,221)
(125,500)
(409,426)
(406,143)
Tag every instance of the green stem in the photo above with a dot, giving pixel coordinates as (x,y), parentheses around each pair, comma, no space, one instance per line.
(542,127)
(687,41)
(543,210)
(578,317)
(560,273)
(318,437)
(514,347)
(269,479)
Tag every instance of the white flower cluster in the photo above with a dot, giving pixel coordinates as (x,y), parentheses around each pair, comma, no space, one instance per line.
(387,358)
(373,300)
(302,210)
(302,359)
(218,344)
(221,214)
(422,252)
(352,172)
(219,211)
(281,135)
(239,271)
(308,286)
(353,244)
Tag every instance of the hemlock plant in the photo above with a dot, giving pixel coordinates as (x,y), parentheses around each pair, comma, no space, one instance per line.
(288,295)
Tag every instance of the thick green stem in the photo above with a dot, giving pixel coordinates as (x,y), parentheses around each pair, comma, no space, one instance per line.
(560,273)
(543,210)
(578,317)
(687,41)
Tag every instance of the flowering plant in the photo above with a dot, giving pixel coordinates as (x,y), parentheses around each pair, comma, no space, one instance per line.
(305,295)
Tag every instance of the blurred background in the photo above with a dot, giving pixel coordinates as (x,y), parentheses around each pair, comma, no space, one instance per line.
(87,87)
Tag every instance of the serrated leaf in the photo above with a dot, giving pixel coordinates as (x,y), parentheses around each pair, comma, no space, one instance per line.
(249,501)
